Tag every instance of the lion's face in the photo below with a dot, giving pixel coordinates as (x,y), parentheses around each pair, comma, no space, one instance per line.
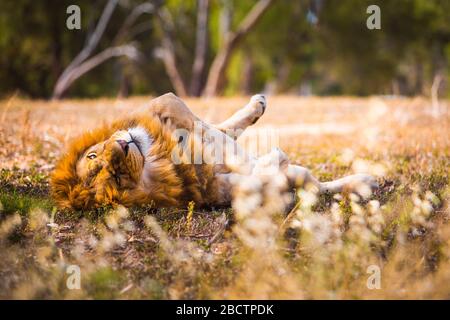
(101,168)
(117,161)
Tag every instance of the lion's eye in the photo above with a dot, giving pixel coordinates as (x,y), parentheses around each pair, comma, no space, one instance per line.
(92,155)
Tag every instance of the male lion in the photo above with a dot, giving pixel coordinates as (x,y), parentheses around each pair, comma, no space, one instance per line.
(166,156)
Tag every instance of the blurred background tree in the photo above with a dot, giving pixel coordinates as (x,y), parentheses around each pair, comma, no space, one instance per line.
(230,47)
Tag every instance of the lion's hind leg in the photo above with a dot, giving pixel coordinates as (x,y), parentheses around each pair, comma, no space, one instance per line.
(300,177)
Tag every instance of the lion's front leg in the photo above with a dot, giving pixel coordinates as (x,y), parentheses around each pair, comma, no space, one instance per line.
(245,117)
(171,110)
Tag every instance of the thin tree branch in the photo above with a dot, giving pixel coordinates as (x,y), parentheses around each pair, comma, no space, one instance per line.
(88,49)
(80,66)
(125,50)
(96,35)
(139,28)
(251,19)
(139,10)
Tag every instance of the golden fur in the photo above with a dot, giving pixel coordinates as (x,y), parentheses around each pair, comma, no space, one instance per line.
(172,185)
(111,166)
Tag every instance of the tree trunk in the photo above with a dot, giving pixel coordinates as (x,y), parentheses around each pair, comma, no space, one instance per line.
(247,75)
(435,109)
(216,73)
(125,84)
(201,47)
(167,53)
(168,57)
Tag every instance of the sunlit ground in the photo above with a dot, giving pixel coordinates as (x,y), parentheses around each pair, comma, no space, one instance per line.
(327,247)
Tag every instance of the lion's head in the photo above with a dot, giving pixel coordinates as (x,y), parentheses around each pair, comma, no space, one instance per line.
(129,162)
(117,160)
(101,167)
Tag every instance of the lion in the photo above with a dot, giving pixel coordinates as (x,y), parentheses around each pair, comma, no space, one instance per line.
(164,155)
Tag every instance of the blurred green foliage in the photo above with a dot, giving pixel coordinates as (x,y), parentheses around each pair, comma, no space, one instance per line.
(302,46)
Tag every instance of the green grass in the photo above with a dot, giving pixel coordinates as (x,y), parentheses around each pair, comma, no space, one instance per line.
(23,204)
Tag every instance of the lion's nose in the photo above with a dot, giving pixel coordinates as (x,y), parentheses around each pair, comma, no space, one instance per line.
(124,145)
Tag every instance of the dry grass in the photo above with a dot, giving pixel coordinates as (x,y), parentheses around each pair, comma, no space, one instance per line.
(323,249)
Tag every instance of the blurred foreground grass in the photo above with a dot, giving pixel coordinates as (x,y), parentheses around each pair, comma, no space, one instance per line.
(323,249)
